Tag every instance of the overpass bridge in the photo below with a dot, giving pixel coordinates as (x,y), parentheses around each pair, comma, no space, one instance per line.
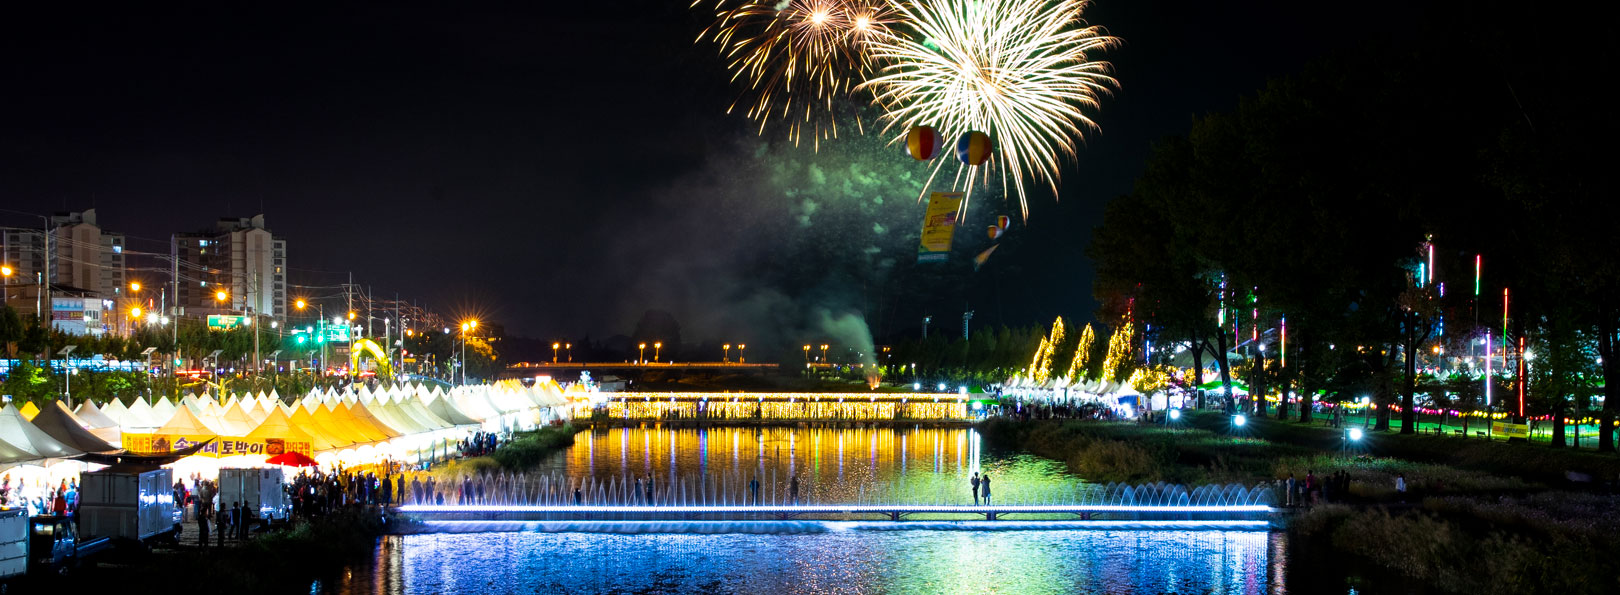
(526,369)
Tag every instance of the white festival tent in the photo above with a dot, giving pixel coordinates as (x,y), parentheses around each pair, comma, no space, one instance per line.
(402,422)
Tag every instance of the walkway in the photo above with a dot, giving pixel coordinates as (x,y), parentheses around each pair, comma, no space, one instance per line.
(885,511)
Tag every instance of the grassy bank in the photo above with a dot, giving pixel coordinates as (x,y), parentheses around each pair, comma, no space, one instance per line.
(1533,462)
(1126,452)
(522,451)
(1543,543)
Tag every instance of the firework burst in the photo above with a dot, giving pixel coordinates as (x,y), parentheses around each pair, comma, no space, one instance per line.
(1018,70)
(798,57)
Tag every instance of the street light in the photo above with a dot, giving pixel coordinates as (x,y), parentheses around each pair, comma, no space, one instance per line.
(657,348)
(320,314)
(135,287)
(741,347)
(1239,419)
(221,295)
(465,328)
(725,355)
(641,356)
(1175,415)
(824,353)
(807,355)
(554,347)
(569,348)
(5,273)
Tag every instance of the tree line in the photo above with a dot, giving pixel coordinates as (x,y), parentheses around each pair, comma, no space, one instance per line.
(1346,210)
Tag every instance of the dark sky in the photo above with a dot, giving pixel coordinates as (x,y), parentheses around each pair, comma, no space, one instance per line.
(563,168)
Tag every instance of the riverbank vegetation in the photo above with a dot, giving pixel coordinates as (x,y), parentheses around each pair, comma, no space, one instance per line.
(524,450)
(1540,543)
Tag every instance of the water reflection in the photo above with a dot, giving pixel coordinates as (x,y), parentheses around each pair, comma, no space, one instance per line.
(837,562)
(913,465)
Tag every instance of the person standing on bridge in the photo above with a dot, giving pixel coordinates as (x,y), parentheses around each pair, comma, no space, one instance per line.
(984,486)
(975,483)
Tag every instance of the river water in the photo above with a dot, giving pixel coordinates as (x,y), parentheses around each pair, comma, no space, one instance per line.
(842,465)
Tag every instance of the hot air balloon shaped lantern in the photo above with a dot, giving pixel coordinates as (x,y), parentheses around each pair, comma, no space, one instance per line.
(924,143)
(1003,221)
(995,232)
(973,148)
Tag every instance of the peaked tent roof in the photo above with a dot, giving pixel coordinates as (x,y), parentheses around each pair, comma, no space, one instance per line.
(236,421)
(276,425)
(59,423)
(29,410)
(11,455)
(449,412)
(324,429)
(164,406)
(141,416)
(93,417)
(28,437)
(185,423)
(115,410)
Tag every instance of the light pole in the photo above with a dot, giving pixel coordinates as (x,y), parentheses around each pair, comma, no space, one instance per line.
(807,355)
(658,347)
(466,327)
(741,348)
(725,354)
(320,312)
(641,355)
(824,353)
(569,348)
(5,272)
(554,347)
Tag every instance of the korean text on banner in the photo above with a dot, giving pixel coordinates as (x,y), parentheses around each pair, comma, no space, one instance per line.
(939,226)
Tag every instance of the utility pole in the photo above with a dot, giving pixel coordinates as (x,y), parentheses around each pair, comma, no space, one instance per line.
(45,280)
(254,322)
(174,281)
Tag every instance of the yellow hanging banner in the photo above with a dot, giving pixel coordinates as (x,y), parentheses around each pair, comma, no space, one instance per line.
(939,226)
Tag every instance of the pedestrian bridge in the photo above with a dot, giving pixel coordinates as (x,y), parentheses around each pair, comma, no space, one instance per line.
(892,512)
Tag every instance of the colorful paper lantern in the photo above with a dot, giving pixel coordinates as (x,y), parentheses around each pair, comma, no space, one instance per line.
(924,143)
(973,148)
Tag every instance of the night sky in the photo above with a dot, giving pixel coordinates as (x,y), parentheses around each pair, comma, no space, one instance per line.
(562,169)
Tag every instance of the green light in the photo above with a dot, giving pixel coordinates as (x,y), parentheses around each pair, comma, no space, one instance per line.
(300,340)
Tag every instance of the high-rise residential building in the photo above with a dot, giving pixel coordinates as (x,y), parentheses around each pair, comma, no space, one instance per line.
(81,254)
(87,256)
(239,257)
(85,262)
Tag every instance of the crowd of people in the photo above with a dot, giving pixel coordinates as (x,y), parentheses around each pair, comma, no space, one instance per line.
(61,500)
(1314,490)
(479,444)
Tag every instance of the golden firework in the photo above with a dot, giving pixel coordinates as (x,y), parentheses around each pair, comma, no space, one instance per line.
(798,57)
(1018,70)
